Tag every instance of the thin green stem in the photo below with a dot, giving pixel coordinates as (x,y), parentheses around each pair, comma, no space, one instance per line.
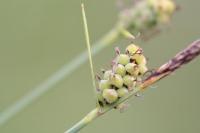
(87,37)
(85,121)
(98,112)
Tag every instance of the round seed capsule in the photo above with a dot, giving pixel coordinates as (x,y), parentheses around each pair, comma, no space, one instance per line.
(104,84)
(143,69)
(132,49)
(132,69)
(128,80)
(139,59)
(122,92)
(116,80)
(107,74)
(123,59)
(110,95)
(120,69)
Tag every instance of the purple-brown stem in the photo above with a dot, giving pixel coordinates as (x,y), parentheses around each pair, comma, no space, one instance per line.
(184,57)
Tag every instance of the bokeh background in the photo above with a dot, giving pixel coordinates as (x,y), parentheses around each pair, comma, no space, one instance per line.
(37,37)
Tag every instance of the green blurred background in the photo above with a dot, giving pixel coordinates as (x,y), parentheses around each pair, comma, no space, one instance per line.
(37,37)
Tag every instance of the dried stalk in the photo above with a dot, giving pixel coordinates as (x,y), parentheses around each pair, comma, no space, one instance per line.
(184,57)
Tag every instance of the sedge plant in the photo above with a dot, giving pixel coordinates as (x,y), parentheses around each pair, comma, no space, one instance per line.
(126,77)
(146,17)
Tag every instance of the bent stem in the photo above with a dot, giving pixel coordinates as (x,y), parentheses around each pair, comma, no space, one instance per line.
(184,57)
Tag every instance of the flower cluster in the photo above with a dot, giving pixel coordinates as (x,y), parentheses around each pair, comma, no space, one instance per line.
(163,8)
(147,15)
(125,74)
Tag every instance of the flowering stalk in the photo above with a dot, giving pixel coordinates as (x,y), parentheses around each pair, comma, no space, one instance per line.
(143,17)
(120,83)
(184,57)
(146,16)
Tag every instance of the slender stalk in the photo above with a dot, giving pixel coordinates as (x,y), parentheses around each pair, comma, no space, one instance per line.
(184,57)
(85,121)
(87,38)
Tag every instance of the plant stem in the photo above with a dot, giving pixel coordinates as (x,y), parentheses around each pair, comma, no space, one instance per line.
(87,38)
(184,57)
(85,121)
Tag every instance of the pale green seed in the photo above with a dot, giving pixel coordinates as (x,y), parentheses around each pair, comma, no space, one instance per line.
(132,49)
(110,95)
(132,69)
(122,92)
(116,80)
(128,80)
(123,59)
(120,69)
(107,74)
(104,84)
(139,58)
(143,69)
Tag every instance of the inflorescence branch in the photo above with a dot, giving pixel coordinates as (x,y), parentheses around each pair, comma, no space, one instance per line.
(184,57)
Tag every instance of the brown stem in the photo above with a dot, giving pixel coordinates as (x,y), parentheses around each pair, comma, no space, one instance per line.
(184,57)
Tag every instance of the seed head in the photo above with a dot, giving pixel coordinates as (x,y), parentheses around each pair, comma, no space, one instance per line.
(123,76)
(146,16)
(164,9)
